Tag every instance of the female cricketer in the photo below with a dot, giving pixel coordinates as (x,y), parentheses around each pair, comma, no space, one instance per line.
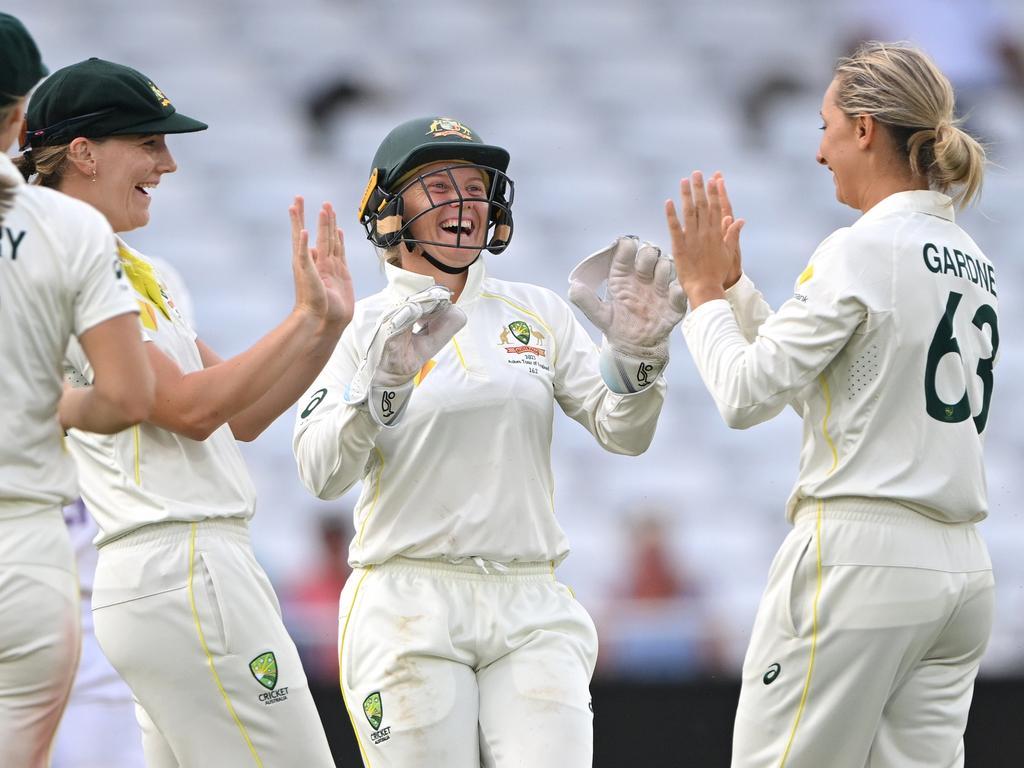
(59,278)
(458,646)
(879,603)
(180,606)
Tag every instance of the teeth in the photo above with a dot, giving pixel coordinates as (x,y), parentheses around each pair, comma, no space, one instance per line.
(454,226)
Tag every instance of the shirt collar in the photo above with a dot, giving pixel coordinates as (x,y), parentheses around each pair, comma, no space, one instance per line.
(9,171)
(404,283)
(916,200)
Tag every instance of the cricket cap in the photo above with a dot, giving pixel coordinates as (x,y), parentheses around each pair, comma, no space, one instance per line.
(21,67)
(95,99)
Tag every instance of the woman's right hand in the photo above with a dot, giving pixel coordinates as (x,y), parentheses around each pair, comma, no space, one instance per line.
(323,285)
(705,249)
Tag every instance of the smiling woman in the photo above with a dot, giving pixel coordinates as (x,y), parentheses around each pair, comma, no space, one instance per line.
(458,646)
(181,608)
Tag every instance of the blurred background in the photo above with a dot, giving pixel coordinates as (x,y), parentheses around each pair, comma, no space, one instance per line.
(604,105)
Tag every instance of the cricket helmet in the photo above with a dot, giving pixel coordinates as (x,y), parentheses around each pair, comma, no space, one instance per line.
(423,141)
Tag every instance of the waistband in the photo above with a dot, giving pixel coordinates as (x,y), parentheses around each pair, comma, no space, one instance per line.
(40,538)
(862,508)
(475,568)
(176,532)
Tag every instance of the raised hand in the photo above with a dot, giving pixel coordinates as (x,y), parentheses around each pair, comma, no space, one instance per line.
(405,338)
(323,285)
(642,303)
(705,247)
(730,234)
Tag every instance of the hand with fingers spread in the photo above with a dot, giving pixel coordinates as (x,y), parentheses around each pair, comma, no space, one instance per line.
(643,303)
(705,247)
(323,285)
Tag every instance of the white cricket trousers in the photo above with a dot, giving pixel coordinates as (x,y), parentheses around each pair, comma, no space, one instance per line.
(867,641)
(40,634)
(466,665)
(189,619)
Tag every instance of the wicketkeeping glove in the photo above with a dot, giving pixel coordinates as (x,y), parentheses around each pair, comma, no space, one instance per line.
(405,338)
(643,302)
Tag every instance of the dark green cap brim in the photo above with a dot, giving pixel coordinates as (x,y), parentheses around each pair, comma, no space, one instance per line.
(176,123)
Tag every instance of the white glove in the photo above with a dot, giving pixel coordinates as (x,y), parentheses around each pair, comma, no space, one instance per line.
(404,340)
(643,302)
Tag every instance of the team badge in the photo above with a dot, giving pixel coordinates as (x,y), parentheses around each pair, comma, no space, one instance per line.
(374,709)
(264,669)
(164,101)
(520,330)
(445,126)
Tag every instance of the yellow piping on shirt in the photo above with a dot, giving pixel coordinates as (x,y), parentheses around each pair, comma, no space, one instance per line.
(206,650)
(814,640)
(459,353)
(524,310)
(341,668)
(137,439)
(824,422)
(376,495)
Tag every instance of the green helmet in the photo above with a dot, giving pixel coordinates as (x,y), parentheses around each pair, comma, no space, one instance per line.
(423,141)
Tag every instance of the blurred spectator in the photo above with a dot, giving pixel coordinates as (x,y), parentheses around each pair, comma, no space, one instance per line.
(658,625)
(311,603)
(970,40)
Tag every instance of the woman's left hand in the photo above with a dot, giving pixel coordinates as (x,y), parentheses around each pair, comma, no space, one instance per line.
(323,285)
(704,250)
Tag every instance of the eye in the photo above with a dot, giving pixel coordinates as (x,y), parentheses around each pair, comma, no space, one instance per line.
(822,128)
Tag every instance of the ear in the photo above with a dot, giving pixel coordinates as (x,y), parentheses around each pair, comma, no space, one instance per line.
(865,130)
(82,156)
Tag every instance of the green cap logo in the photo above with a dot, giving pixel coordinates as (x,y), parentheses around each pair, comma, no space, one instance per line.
(374,709)
(520,330)
(264,669)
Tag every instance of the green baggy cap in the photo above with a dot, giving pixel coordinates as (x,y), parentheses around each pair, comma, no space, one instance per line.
(95,99)
(21,67)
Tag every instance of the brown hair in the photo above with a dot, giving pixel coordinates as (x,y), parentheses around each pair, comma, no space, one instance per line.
(902,88)
(47,164)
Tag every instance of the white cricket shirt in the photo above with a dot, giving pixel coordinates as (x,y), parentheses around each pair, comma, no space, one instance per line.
(467,472)
(59,276)
(886,351)
(146,474)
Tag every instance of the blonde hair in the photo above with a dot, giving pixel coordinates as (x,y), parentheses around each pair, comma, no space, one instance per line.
(902,88)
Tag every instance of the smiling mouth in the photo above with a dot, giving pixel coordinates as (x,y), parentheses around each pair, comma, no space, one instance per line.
(458,227)
(144,186)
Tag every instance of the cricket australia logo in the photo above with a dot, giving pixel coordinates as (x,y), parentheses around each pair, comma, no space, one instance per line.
(445,126)
(525,345)
(373,708)
(264,669)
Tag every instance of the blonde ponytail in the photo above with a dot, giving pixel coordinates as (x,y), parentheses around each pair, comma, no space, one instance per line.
(902,88)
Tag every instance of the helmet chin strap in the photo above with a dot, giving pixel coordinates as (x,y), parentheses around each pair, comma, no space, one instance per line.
(440,264)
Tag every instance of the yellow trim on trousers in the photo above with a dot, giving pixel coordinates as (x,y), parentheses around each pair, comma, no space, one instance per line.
(206,650)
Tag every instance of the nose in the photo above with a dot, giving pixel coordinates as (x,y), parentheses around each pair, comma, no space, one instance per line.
(820,158)
(167,163)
